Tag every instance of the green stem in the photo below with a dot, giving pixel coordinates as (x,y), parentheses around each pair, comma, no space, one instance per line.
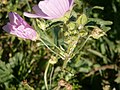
(82,46)
(68,57)
(84,43)
(50,48)
(65,64)
(25,76)
(45,76)
(52,42)
(51,76)
(29,8)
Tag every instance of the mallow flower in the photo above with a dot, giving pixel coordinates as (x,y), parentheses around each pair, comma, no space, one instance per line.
(50,9)
(19,27)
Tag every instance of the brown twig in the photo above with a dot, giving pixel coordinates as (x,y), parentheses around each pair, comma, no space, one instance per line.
(113,66)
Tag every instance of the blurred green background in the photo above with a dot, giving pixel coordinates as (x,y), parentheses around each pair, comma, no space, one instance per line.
(22,63)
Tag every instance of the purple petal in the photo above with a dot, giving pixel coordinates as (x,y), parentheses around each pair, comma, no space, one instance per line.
(31,35)
(13,18)
(35,15)
(45,6)
(65,4)
(57,7)
(50,9)
(71,3)
(31,15)
(54,8)
(17,26)
(39,13)
(6,28)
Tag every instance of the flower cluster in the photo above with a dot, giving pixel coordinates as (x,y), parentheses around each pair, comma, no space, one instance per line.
(47,9)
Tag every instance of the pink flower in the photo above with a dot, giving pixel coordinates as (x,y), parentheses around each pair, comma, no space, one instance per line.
(50,9)
(17,26)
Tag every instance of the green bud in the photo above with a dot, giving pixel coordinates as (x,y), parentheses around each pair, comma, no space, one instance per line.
(83,33)
(71,26)
(82,20)
(41,24)
(53,60)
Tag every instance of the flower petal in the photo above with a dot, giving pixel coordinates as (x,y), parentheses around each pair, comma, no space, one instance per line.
(50,9)
(45,6)
(13,18)
(31,15)
(39,13)
(54,8)
(6,28)
(35,15)
(17,26)
(71,3)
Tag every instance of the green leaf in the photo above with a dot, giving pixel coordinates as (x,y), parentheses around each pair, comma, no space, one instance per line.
(100,21)
(5,72)
(96,53)
(82,20)
(55,32)
(41,24)
(14,61)
(98,7)
(117,80)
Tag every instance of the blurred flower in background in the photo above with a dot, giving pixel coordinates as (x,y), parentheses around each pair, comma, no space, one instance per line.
(50,9)
(17,26)
(3,1)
